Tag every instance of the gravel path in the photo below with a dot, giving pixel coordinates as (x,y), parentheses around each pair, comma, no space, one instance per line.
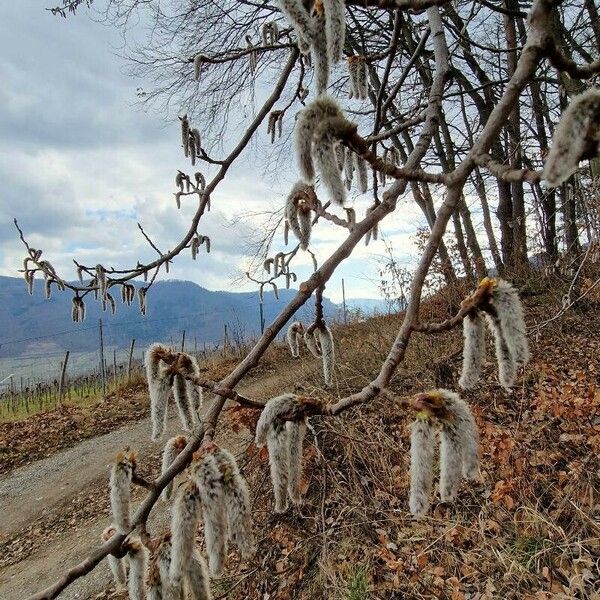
(49,490)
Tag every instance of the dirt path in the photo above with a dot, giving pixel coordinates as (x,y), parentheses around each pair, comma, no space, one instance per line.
(55,509)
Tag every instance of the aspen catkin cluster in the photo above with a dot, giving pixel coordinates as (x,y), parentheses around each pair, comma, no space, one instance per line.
(294,333)
(321,31)
(445,412)
(503,312)
(282,427)
(270,33)
(319,128)
(162,376)
(190,140)
(576,138)
(275,124)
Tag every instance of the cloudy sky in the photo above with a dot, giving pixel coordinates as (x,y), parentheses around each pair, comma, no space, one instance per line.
(81,164)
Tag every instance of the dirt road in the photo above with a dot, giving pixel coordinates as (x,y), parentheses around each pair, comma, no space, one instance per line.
(54,510)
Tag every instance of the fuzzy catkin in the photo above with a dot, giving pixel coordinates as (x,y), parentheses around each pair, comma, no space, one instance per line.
(181,401)
(277,444)
(348,169)
(120,490)
(292,339)
(237,503)
(197,580)
(275,408)
(299,17)
(422,444)
(362,173)
(326,159)
(158,387)
(137,558)
(335,16)
(577,137)
(172,450)
(362,76)
(308,120)
(209,481)
(473,351)
(319,50)
(116,565)
(327,352)
(298,212)
(184,524)
(296,431)
(463,427)
(507,369)
(185,135)
(450,463)
(312,343)
(512,323)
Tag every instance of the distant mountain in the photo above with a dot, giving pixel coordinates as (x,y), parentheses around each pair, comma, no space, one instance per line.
(33,325)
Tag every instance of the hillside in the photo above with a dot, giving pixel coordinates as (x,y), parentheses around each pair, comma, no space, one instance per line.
(526,531)
(46,326)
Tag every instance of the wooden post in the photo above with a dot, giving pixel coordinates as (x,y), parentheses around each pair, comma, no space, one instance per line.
(115,367)
(61,385)
(262,318)
(130,359)
(183,340)
(344,302)
(195,347)
(102,364)
(225,339)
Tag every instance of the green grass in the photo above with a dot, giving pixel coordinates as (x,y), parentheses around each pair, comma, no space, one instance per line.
(357,586)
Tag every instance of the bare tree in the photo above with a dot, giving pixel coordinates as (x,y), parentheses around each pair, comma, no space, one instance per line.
(443,113)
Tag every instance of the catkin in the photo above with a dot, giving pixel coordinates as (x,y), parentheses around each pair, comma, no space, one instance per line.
(237,503)
(116,565)
(512,323)
(312,343)
(158,386)
(172,450)
(299,17)
(327,352)
(422,446)
(197,580)
(137,557)
(208,478)
(507,368)
(577,137)
(459,446)
(184,524)
(185,135)
(335,16)
(292,335)
(319,49)
(181,401)
(473,351)
(325,138)
(120,489)
(296,430)
(362,173)
(284,442)
(308,119)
